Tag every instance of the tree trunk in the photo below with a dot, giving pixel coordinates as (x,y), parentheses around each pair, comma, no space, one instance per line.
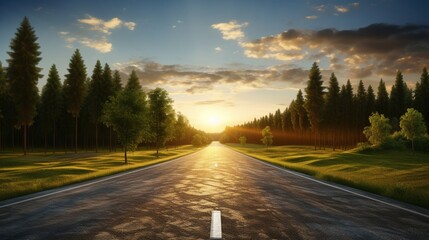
(126,159)
(75,140)
(96,136)
(46,143)
(13,139)
(412,144)
(25,139)
(53,140)
(110,139)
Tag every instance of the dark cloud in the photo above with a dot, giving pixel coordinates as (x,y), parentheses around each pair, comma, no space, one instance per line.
(383,47)
(197,80)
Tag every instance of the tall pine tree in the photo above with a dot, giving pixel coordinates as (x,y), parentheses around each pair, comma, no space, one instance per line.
(382,100)
(96,99)
(332,108)
(421,102)
(51,104)
(23,75)
(314,98)
(74,88)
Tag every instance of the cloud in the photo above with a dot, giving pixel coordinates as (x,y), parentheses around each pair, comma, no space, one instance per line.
(355,4)
(94,32)
(216,102)
(201,80)
(101,45)
(218,49)
(320,8)
(231,30)
(341,9)
(381,46)
(312,17)
(103,26)
(130,25)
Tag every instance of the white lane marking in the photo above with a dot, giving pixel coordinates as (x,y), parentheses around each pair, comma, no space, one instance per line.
(97,181)
(333,186)
(216,226)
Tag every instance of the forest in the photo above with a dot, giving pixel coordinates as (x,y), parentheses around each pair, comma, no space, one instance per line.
(334,116)
(71,115)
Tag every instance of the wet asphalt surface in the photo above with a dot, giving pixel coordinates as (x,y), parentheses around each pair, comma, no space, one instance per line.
(174,201)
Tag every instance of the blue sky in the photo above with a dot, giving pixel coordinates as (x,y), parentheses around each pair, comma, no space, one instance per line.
(225,62)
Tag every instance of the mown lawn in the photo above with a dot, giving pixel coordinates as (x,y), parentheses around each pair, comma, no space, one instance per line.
(399,174)
(35,172)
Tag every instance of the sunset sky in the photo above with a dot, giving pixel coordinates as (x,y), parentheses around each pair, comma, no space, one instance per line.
(226,62)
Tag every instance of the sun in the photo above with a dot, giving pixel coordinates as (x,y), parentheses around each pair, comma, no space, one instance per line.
(213,120)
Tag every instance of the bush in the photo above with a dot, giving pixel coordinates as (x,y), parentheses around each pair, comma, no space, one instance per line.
(422,143)
(392,143)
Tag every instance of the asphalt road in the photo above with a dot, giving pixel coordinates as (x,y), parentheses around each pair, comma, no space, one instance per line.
(174,200)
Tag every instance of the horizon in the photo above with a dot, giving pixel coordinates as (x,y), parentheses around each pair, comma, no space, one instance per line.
(217,63)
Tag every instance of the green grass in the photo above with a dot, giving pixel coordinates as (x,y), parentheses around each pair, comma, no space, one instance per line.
(399,174)
(20,175)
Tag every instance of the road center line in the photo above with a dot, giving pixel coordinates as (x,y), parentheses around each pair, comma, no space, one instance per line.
(216,226)
(95,182)
(332,186)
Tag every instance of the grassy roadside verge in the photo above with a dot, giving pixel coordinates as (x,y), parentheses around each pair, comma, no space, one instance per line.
(36,172)
(401,175)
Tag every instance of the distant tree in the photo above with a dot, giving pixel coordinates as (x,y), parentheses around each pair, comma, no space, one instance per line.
(277,120)
(243,140)
(382,100)
(51,103)
(370,102)
(412,125)
(361,107)
(379,130)
(108,90)
(267,136)
(126,113)
(302,113)
(74,88)
(180,127)
(162,117)
(197,140)
(23,74)
(116,82)
(314,99)
(421,102)
(133,82)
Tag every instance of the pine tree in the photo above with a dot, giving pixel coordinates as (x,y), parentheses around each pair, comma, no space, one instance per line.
(23,74)
(74,88)
(96,98)
(332,108)
(370,102)
(421,102)
(361,109)
(398,97)
(314,98)
(51,103)
(116,82)
(133,82)
(3,98)
(382,101)
(302,113)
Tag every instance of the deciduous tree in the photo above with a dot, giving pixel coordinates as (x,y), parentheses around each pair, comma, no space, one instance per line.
(412,125)
(162,117)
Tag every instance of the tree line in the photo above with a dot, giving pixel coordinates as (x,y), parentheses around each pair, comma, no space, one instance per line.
(334,116)
(74,115)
